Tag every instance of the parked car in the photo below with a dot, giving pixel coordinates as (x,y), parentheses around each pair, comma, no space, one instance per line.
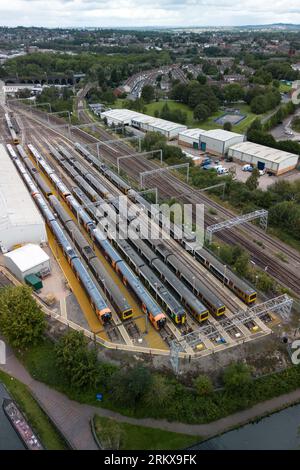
(247,167)
(222,171)
(262,172)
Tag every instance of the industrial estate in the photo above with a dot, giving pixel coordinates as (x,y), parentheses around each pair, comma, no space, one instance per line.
(152,248)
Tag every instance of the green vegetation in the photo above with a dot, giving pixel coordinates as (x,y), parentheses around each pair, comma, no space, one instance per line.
(177,402)
(39,421)
(61,100)
(125,436)
(71,367)
(296,124)
(104,68)
(21,319)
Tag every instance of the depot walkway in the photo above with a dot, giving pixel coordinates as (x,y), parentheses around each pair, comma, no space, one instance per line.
(73,419)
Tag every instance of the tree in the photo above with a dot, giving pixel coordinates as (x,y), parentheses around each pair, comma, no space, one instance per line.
(233,92)
(252,181)
(201,112)
(148,93)
(153,141)
(227,126)
(203,385)
(237,377)
(202,79)
(22,321)
(78,364)
(161,389)
(129,385)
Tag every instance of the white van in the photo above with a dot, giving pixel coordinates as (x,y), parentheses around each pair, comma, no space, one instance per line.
(222,171)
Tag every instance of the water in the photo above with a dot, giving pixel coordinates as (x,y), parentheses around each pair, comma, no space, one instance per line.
(9,439)
(280,431)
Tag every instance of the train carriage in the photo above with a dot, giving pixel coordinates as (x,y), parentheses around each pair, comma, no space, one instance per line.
(227,277)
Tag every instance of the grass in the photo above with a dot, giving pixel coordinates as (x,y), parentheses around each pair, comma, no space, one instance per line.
(210,122)
(284,237)
(284,88)
(39,421)
(144,438)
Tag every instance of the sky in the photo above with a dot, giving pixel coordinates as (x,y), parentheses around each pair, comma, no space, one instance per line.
(138,13)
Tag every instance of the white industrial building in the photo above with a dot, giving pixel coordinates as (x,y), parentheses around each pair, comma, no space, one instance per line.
(143,122)
(28,259)
(262,157)
(20,220)
(218,141)
(190,138)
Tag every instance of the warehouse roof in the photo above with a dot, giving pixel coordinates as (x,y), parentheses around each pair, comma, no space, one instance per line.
(127,116)
(27,257)
(221,134)
(122,115)
(16,205)
(194,133)
(263,152)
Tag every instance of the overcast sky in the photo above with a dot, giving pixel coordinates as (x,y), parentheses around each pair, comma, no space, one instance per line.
(147,12)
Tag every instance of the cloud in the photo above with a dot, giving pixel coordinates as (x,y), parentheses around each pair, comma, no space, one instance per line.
(67,13)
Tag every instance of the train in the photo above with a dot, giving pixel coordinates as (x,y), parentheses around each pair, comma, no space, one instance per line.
(12,131)
(153,283)
(98,303)
(171,305)
(199,300)
(245,292)
(120,303)
(156,316)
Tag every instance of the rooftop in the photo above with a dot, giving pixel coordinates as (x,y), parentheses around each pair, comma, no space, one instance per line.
(16,206)
(27,257)
(263,152)
(129,115)
(192,133)
(221,134)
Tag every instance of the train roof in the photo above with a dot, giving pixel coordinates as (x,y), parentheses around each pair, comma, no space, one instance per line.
(185,271)
(220,266)
(179,286)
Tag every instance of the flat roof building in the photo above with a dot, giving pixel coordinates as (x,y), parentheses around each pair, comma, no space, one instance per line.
(143,122)
(20,220)
(262,157)
(26,260)
(190,138)
(218,141)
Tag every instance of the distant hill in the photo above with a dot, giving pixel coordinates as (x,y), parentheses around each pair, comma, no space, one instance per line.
(277,26)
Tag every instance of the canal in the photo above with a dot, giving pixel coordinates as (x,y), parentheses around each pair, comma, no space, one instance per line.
(9,439)
(279,431)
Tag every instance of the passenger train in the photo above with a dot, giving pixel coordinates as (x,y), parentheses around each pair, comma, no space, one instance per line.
(148,305)
(98,303)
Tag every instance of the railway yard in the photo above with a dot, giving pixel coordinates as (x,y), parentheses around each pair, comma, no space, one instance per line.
(139,294)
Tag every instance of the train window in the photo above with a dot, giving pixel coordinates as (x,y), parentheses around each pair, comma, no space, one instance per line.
(221,310)
(204,316)
(253,296)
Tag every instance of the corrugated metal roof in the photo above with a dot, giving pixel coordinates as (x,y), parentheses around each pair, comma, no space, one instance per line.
(221,134)
(194,133)
(16,206)
(27,257)
(263,152)
(128,115)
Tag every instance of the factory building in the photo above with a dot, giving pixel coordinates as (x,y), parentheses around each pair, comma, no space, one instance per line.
(218,141)
(190,138)
(26,260)
(143,122)
(20,220)
(264,158)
